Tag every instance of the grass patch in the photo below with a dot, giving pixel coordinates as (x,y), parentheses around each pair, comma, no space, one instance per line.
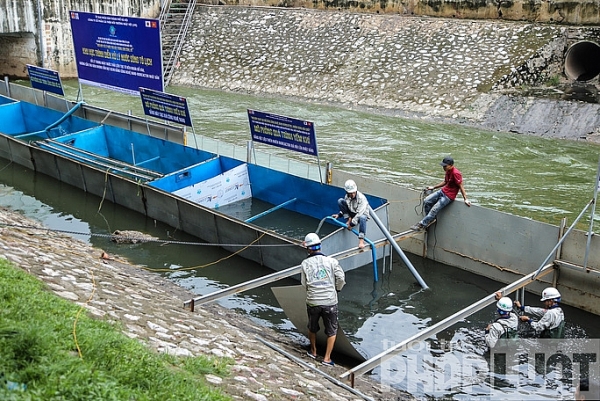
(41,359)
(554,80)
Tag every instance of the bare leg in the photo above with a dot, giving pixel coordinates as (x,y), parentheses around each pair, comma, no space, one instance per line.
(361,243)
(329,348)
(313,342)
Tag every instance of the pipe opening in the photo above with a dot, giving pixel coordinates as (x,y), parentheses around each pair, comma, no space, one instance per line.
(582,61)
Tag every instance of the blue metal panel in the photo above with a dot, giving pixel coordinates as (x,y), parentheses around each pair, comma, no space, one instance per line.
(5,100)
(313,198)
(11,119)
(38,118)
(92,140)
(189,176)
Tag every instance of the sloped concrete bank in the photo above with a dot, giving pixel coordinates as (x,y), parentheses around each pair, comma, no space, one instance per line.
(414,67)
(150,309)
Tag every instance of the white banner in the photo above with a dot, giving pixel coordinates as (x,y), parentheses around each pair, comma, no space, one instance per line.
(226,188)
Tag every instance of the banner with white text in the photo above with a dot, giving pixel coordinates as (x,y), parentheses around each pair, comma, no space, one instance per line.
(117,53)
(284,132)
(45,79)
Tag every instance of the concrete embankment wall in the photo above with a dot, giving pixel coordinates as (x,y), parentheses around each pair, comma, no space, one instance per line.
(39,32)
(561,11)
(408,66)
(456,70)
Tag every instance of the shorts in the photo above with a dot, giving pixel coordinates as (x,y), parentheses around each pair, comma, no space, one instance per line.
(329,314)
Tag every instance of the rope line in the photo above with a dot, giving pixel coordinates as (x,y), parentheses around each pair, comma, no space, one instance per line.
(179,269)
(144,240)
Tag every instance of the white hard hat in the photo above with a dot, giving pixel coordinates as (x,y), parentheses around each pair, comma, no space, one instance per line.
(550,293)
(505,304)
(311,239)
(350,186)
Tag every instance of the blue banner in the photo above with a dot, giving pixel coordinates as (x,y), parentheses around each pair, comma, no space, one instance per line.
(283,132)
(117,53)
(45,80)
(165,106)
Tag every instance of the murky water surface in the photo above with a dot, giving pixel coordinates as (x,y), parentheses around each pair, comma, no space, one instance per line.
(533,177)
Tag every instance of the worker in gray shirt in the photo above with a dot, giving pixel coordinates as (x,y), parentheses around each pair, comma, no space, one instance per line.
(505,326)
(323,277)
(551,323)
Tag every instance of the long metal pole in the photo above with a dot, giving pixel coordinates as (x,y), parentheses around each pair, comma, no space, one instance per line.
(270,278)
(590,230)
(564,237)
(397,248)
(444,324)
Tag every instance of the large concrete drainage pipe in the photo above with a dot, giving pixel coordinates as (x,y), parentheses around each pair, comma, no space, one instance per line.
(582,61)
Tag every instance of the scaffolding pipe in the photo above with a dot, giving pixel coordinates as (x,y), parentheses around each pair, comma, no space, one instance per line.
(564,237)
(377,360)
(591,229)
(398,249)
(266,212)
(289,272)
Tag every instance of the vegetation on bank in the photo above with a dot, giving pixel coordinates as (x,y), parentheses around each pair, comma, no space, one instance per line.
(51,350)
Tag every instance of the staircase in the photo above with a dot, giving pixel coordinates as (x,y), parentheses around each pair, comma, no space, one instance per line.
(175,20)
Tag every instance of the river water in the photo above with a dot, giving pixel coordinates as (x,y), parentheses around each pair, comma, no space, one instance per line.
(534,177)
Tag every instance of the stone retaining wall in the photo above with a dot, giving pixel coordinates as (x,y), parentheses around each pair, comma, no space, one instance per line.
(569,12)
(452,69)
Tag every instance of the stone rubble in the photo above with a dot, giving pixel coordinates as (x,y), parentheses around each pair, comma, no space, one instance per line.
(150,309)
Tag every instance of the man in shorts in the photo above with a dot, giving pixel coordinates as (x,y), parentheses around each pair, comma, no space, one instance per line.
(323,278)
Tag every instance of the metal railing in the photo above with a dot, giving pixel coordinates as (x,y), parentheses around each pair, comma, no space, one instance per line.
(377,360)
(289,272)
(168,22)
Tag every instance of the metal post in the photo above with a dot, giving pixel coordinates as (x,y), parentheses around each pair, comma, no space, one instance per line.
(397,248)
(7,83)
(552,252)
(590,230)
(249,151)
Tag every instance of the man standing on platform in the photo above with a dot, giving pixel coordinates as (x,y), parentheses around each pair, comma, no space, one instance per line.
(323,278)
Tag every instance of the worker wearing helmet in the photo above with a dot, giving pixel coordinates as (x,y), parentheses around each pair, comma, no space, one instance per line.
(551,322)
(323,277)
(505,326)
(354,207)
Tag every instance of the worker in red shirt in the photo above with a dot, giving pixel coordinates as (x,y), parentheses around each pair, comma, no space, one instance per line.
(436,201)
